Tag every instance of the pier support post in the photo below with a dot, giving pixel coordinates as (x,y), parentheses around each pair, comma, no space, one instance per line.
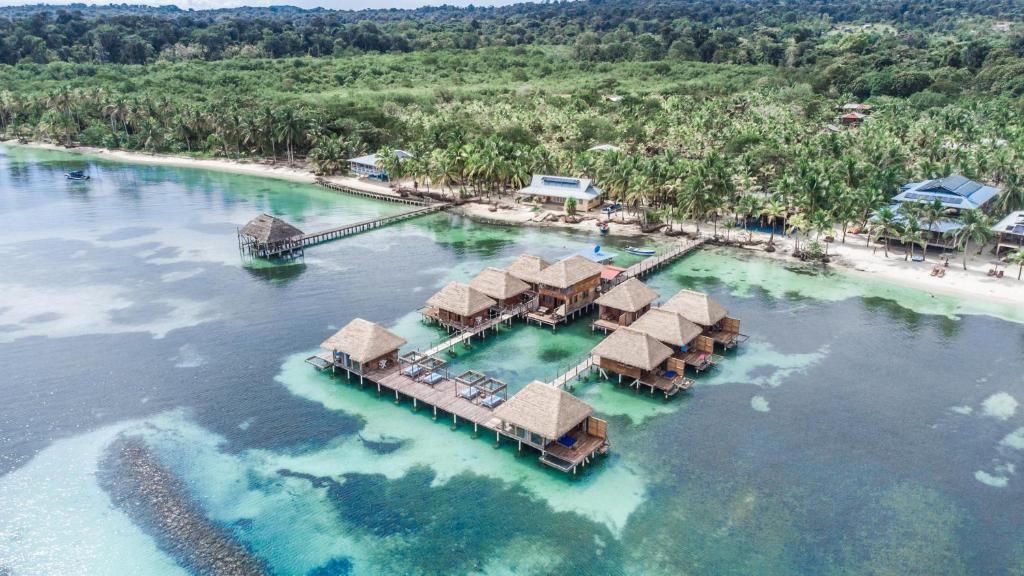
(497,439)
(414,406)
(378,386)
(435,413)
(396,397)
(455,421)
(475,430)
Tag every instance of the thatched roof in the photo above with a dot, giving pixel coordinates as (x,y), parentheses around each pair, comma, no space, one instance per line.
(697,307)
(565,273)
(633,348)
(630,296)
(363,341)
(461,299)
(527,267)
(267,229)
(544,409)
(667,326)
(498,284)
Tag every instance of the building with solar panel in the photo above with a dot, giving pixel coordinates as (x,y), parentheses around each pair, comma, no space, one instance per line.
(1011,233)
(957,193)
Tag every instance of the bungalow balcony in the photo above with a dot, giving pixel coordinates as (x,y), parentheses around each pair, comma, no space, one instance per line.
(572,450)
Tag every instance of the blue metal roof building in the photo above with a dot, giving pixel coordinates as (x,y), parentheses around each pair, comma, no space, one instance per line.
(552,188)
(954,191)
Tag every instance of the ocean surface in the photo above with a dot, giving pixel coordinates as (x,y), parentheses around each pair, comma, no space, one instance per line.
(157,416)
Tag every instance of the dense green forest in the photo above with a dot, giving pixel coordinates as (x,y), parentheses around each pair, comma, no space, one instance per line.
(714,104)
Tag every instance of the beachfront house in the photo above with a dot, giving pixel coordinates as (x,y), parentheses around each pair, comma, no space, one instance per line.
(557,189)
(1010,232)
(361,348)
(623,304)
(957,195)
(641,357)
(856,107)
(705,312)
(528,268)
(502,287)
(566,288)
(268,237)
(369,166)
(458,306)
(555,422)
(689,346)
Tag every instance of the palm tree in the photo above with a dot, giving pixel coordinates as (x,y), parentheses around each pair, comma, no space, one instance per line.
(976,227)
(884,226)
(931,213)
(748,206)
(1018,259)
(911,234)
(773,210)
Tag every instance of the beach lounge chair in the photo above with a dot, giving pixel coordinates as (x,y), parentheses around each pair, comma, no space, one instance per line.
(433,378)
(492,401)
(469,393)
(412,370)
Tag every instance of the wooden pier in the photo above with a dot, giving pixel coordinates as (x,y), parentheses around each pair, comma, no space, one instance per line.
(649,265)
(385,196)
(366,225)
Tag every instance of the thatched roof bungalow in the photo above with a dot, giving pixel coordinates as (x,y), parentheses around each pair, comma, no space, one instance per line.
(623,304)
(555,422)
(697,307)
(668,327)
(638,355)
(565,288)
(499,285)
(527,268)
(459,305)
(363,346)
(266,236)
(704,311)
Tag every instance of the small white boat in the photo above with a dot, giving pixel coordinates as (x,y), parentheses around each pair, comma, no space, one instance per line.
(640,251)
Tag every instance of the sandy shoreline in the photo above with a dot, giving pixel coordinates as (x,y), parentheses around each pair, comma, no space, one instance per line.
(853,257)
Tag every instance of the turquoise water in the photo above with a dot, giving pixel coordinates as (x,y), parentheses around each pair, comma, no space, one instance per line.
(863,429)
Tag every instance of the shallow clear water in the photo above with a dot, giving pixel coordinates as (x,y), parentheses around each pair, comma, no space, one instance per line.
(864,428)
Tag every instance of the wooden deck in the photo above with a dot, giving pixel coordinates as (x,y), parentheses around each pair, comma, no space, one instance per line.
(726,339)
(440,396)
(605,326)
(366,225)
(669,386)
(566,458)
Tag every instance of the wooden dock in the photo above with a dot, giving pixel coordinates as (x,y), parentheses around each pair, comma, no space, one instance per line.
(649,265)
(366,225)
(385,196)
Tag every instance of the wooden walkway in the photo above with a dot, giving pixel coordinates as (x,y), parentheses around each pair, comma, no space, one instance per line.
(467,334)
(563,379)
(385,196)
(366,225)
(648,265)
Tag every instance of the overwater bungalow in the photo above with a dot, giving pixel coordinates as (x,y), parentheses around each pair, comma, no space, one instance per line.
(689,345)
(502,287)
(360,348)
(459,306)
(637,355)
(566,288)
(555,422)
(623,304)
(705,312)
(528,268)
(268,237)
